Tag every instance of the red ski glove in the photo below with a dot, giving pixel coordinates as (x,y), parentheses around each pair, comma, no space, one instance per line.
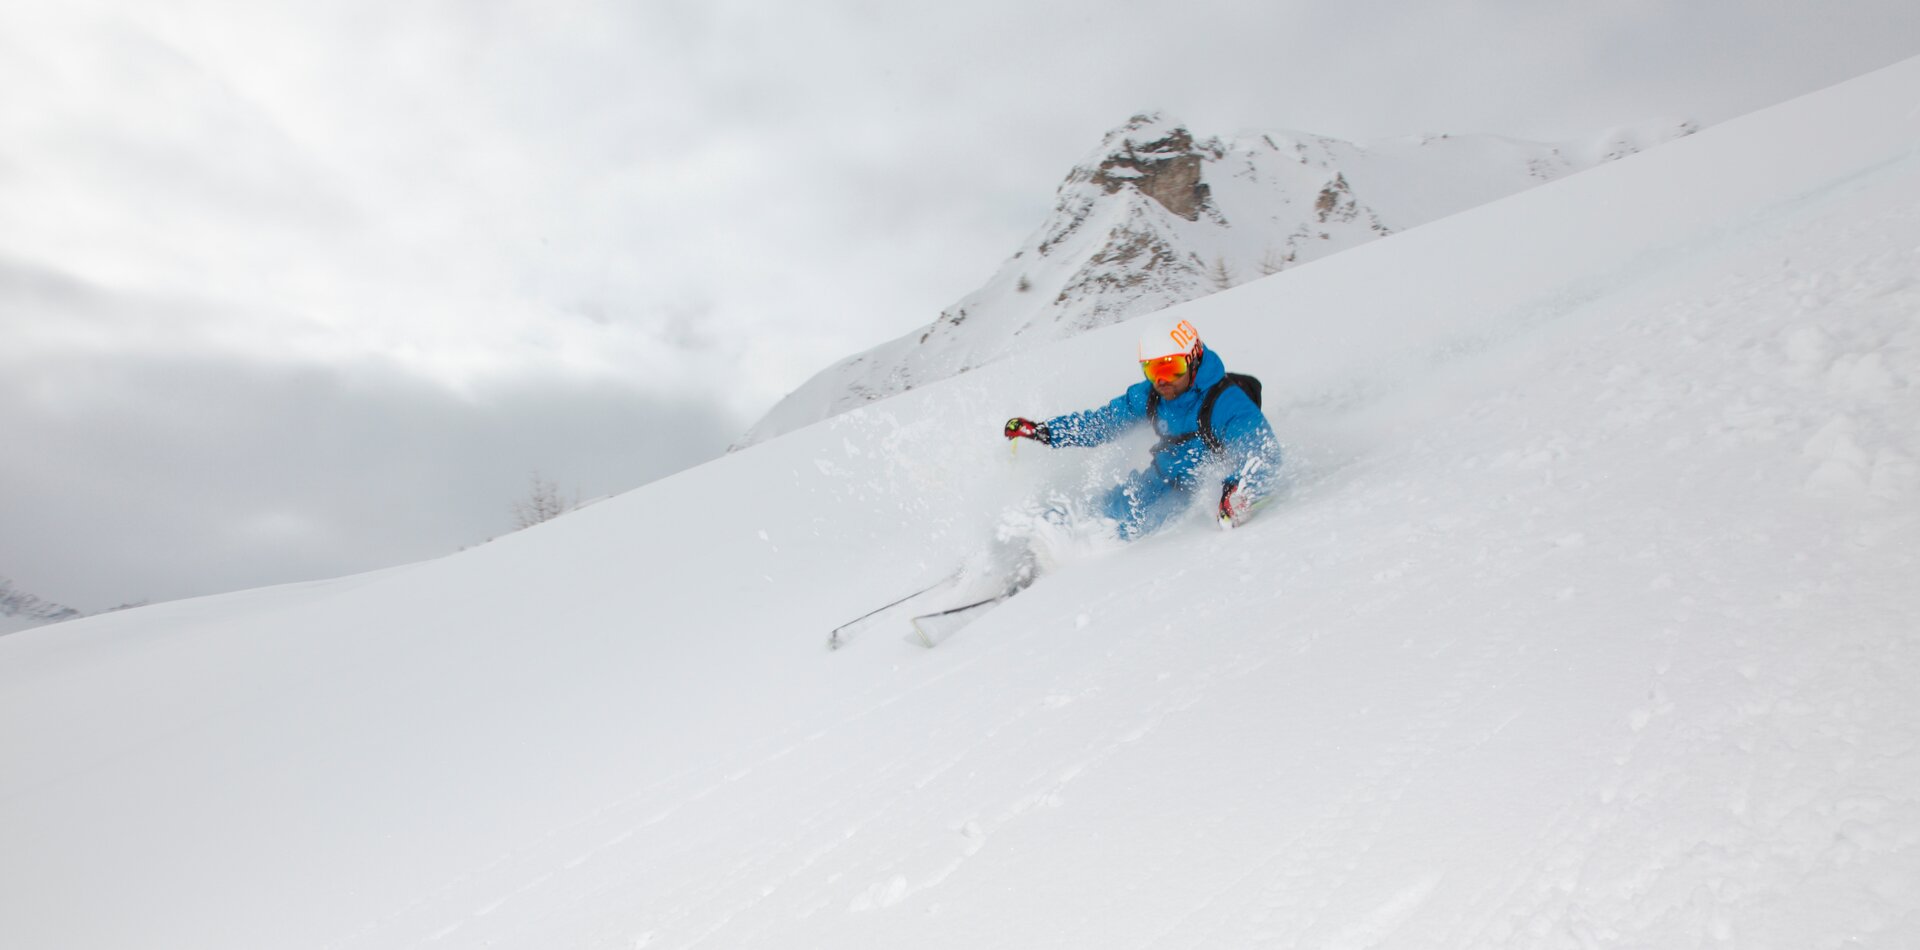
(1234,506)
(1018,428)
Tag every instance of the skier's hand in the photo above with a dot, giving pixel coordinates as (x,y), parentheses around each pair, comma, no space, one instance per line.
(1234,505)
(1019,428)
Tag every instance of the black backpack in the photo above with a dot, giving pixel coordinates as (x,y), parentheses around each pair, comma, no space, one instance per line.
(1247,384)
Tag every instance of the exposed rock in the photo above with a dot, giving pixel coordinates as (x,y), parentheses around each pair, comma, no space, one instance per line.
(1166,169)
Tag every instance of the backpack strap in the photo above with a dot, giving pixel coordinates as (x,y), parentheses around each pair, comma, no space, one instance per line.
(1206,415)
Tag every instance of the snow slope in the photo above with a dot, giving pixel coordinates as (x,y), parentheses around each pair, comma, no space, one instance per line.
(1590,623)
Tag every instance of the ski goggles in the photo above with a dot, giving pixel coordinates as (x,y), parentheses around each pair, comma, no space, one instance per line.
(1167,368)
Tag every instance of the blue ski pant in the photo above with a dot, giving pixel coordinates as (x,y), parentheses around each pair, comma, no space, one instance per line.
(1144,503)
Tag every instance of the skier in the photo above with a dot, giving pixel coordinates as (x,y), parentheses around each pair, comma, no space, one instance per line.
(1212,435)
(1210,426)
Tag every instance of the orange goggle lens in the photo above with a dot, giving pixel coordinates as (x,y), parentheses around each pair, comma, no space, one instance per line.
(1166,368)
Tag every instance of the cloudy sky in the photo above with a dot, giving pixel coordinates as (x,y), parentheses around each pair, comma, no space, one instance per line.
(290,290)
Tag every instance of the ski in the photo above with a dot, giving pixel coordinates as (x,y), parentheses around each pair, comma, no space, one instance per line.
(843,633)
(931,628)
(936,627)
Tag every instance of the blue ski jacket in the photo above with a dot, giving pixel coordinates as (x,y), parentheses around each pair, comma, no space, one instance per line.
(1249,451)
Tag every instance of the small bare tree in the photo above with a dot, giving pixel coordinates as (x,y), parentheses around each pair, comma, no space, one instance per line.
(1220,274)
(543,503)
(1273,263)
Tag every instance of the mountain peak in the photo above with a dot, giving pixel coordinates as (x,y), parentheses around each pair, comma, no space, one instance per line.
(1157,157)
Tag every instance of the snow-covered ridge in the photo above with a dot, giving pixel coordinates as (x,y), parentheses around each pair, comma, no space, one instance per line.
(1153,217)
(1590,623)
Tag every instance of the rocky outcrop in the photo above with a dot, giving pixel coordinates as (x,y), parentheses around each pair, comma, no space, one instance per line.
(1166,169)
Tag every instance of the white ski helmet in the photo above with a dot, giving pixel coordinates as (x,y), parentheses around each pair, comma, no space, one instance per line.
(1168,336)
